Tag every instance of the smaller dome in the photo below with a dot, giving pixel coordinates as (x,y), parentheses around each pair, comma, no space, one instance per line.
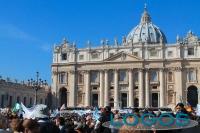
(146,32)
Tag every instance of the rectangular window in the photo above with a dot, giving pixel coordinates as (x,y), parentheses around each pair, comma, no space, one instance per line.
(154,87)
(153,76)
(2,101)
(94,77)
(153,53)
(18,99)
(111,76)
(170,77)
(63,78)
(25,101)
(31,101)
(81,57)
(64,56)
(190,51)
(41,101)
(170,53)
(192,75)
(135,77)
(136,87)
(80,78)
(111,54)
(122,75)
(95,55)
(94,88)
(135,54)
(10,101)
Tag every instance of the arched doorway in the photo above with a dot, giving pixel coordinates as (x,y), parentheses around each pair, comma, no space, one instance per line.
(192,96)
(63,96)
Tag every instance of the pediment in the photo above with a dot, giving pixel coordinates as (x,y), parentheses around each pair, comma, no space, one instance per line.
(122,56)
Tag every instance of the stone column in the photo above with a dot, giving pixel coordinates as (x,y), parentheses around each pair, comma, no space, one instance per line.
(87,88)
(72,94)
(106,92)
(141,89)
(116,90)
(55,89)
(198,95)
(147,94)
(162,88)
(130,90)
(179,85)
(101,89)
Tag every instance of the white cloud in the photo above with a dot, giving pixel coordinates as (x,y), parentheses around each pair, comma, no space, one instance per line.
(13,32)
(46,48)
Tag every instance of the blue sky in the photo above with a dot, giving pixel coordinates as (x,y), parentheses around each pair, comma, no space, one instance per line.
(30,28)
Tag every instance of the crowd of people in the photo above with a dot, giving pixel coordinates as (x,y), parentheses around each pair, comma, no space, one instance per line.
(75,123)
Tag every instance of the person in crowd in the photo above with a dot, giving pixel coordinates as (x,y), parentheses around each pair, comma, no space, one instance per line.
(2,124)
(60,122)
(180,109)
(16,125)
(116,114)
(89,124)
(31,126)
(136,111)
(105,117)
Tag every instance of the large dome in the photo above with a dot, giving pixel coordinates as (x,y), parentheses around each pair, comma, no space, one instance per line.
(146,32)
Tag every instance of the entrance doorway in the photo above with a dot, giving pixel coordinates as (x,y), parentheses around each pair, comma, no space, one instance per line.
(63,96)
(154,99)
(136,102)
(111,102)
(192,96)
(124,99)
(95,100)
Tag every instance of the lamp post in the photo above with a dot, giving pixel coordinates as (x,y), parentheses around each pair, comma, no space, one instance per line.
(37,84)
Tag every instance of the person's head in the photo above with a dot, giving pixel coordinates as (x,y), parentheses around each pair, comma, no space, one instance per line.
(15,124)
(116,111)
(2,122)
(179,106)
(102,110)
(31,126)
(60,121)
(107,108)
(136,110)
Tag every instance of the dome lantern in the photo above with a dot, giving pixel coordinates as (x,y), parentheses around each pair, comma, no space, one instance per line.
(146,32)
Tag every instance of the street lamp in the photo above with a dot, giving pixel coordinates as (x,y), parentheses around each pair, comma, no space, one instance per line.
(36,85)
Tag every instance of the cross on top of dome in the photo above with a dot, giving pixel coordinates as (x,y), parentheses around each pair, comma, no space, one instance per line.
(146,18)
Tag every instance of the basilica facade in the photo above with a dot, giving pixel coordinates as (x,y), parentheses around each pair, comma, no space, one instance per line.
(142,70)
